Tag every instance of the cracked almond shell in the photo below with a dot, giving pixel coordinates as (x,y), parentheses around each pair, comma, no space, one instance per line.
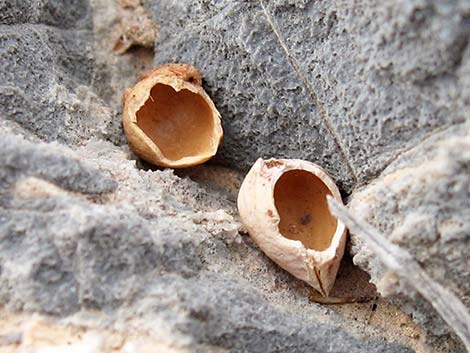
(169,120)
(282,203)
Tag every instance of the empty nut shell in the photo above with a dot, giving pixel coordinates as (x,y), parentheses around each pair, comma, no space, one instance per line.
(282,203)
(169,119)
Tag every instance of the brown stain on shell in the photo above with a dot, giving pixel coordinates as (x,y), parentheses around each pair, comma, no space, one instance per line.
(272,163)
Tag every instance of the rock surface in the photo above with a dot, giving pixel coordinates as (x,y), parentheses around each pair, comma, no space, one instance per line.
(346,85)
(423,205)
(149,248)
(352,87)
(100,242)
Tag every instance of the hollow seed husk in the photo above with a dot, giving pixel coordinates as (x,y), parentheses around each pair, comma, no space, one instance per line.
(282,203)
(169,120)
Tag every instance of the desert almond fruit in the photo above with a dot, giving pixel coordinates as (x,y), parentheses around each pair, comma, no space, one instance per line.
(169,119)
(282,203)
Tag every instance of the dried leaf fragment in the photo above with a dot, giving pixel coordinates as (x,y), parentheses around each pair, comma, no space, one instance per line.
(136,29)
(169,119)
(282,202)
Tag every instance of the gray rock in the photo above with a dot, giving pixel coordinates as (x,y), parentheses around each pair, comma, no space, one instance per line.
(65,14)
(47,69)
(135,254)
(237,70)
(348,86)
(54,163)
(372,79)
(422,203)
(229,314)
(75,253)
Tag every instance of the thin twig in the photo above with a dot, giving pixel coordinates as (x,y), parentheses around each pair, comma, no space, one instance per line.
(308,86)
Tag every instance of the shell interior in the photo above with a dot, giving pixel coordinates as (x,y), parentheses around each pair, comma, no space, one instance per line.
(181,124)
(300,199)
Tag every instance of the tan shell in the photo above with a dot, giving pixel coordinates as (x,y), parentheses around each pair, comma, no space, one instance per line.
(169,119)
(282,203)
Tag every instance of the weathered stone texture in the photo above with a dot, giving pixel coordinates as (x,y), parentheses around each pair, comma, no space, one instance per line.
(422,203)
(362,88)
(347,85)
